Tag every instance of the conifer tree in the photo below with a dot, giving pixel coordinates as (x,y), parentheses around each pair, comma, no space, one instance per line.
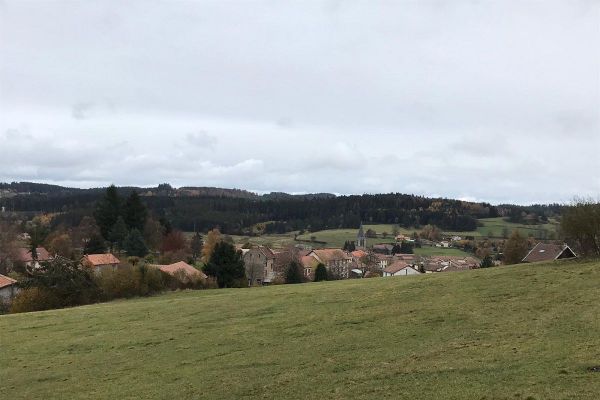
(134,212)
(320,273)
(134,244)
(293,273)
(226,265)
(118,233)
(95,244)
(108,211)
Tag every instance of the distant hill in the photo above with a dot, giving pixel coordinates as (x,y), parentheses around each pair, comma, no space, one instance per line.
(236,211)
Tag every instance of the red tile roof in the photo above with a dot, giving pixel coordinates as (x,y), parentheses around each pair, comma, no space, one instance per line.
(6,281)
(172,269)
(101,259)
(326,255)
(395,267)
(309,261)
(359,253)
(24,254)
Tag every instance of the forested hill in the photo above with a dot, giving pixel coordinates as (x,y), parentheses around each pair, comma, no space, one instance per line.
(235,211)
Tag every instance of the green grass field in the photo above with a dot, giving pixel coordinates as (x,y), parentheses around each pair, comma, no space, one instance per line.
(496,227)
(441,251)
(519,332)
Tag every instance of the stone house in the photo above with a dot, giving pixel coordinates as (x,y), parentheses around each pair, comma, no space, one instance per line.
(260,266)
(100,262)
(336,261)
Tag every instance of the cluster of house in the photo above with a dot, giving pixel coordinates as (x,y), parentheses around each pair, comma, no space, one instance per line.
(264,265)
(95,262)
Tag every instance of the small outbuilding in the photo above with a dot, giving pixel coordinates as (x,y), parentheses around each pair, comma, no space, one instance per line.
(101,262)
(8,289)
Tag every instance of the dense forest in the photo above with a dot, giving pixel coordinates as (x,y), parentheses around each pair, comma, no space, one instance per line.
(236,211)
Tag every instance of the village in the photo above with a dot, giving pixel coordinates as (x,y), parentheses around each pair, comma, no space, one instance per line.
(270,266)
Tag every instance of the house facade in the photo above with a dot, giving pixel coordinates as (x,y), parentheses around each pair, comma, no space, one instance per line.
(8,289)
(336,261)
(260,266)
(399,268)
(100,262)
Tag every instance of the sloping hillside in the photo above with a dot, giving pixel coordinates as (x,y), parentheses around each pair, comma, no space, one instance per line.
(522,332)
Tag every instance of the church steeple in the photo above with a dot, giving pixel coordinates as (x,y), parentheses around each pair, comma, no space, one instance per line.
(361,239)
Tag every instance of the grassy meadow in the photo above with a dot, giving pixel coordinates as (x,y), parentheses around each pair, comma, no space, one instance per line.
(496,227)
(519,332)
(491,227)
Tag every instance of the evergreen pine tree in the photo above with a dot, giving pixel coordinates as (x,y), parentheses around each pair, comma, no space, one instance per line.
(135,212)
(320,273)
(487,262)
(134,244)
(226,265)
(294,274)
(118,233)
(108,211)
(196,246)
(406,248)
(95,244)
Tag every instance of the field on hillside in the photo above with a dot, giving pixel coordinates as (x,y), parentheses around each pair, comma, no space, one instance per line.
(441,251)
(520,332)
(497,227)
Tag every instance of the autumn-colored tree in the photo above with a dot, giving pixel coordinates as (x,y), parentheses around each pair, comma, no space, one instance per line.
(431,232)
(580,225)
(84,231)
(153,233)
(515,248)
(61,245)
(7,246)
(213,237)
(174,241)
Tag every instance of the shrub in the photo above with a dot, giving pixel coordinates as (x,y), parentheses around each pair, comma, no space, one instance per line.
(35,299)
(60,283)
(130,282)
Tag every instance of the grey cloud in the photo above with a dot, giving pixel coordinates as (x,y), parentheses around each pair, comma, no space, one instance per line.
(201,139)
(494,100)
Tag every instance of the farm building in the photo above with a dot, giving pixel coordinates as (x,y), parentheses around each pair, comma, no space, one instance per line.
(8,289)
(100,262)
(549,252)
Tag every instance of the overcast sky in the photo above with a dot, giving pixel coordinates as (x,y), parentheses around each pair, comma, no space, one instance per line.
(485,100)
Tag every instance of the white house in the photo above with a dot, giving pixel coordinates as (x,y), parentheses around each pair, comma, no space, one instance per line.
(8,289)
(400,268)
